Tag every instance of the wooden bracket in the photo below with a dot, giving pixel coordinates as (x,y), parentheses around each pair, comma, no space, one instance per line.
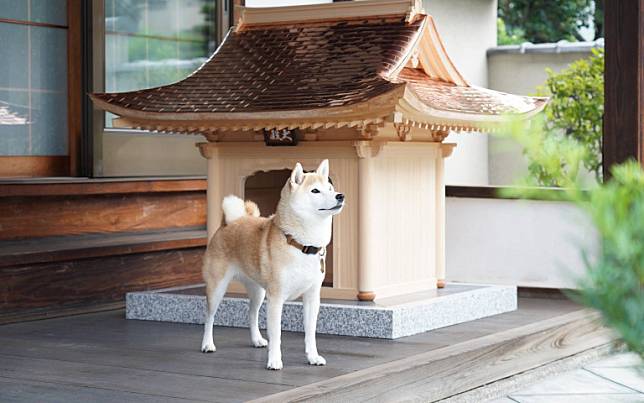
(212,136)
(369,130)
(403,130)
(368,149)
(447,149)
(439,135)
(208,150)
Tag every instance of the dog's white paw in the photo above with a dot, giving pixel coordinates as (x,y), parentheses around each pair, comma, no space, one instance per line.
(208,347)
(274,364)
(316,360)
(260,342)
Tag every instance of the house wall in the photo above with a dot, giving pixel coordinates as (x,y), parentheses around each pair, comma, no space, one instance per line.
(139,154)
(517,242)
(525,243)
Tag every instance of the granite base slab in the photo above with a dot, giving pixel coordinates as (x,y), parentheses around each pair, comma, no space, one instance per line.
(389,318)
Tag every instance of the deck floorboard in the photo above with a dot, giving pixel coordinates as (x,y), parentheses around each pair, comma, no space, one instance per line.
(112,359)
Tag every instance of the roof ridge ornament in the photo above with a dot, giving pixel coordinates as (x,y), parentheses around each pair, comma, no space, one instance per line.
(250,16)
(415,10)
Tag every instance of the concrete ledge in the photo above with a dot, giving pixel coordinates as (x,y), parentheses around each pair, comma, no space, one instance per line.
(389,318)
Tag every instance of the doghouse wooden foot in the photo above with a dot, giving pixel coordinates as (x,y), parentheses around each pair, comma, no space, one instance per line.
(440,283)
(366,296)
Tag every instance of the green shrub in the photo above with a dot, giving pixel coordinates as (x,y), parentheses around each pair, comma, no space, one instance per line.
(615,282)
(576,110)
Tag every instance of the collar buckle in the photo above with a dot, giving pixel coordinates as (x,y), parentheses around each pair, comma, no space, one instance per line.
(306,249)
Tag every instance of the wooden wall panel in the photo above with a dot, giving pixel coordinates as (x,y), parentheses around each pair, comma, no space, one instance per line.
(26,217)
(624,83)
(30,290)
(33,166)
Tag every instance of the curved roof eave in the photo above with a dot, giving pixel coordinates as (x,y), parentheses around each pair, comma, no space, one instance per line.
(376,107)
(416,110)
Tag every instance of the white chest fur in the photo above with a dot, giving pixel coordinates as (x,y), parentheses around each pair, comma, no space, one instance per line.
(303,273)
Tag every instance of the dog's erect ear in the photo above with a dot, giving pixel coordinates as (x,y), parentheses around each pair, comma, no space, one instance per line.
(323,169)
(297,175)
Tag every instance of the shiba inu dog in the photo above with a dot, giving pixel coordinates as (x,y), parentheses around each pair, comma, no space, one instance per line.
(281,257)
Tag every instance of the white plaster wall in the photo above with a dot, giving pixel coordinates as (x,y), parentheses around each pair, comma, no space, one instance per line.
(139,154)
(516,242)
(468,29)
(522,73)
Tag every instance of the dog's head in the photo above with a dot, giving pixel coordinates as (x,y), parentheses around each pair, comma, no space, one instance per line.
(311,194)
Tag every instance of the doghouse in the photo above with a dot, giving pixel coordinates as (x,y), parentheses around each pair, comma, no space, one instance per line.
(366,84)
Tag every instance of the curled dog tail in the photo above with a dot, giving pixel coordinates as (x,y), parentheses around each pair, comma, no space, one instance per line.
(235,208)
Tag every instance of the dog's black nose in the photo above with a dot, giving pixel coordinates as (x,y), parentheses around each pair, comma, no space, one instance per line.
(339,197)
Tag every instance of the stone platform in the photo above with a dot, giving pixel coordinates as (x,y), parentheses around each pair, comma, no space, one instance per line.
(388,318)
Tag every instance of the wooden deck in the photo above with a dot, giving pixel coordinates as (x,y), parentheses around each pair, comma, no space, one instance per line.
(103,357)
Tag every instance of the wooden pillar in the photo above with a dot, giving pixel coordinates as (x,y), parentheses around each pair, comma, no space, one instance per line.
(365,220)
(624,83)
(445,151)
(213,196)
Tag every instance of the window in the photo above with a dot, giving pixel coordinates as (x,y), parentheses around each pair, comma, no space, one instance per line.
(149,43)
(34,129)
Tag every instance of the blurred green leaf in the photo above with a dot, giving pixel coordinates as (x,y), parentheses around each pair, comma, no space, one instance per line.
(614,281)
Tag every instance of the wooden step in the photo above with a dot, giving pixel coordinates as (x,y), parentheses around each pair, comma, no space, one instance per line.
(73,247)
(451,370)
(53,276)
(94,206)
(70,245)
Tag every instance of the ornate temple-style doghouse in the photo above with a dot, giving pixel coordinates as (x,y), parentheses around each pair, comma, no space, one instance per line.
(366,84)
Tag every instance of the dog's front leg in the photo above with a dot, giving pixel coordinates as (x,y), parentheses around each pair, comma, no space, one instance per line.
(311,302)
(274,326)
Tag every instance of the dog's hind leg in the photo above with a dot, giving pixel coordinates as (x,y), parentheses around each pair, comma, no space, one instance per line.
(256,295)
(217,278)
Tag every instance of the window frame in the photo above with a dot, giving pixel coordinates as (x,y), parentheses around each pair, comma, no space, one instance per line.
(223,18)
(23,166)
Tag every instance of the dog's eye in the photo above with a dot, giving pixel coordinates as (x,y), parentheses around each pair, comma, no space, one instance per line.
(315,191)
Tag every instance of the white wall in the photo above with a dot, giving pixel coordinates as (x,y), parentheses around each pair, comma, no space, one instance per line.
(517,242)
(468,29)
(141,154)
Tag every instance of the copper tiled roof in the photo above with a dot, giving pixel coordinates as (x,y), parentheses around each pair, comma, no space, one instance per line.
(449,97)
(290,67)
(284,68)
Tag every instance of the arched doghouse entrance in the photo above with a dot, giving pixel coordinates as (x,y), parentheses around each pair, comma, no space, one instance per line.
(264,188)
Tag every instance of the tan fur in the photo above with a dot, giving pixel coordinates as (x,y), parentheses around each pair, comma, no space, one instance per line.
(251,208)
(254,244)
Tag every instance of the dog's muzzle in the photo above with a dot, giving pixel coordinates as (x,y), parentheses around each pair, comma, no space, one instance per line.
(340,202)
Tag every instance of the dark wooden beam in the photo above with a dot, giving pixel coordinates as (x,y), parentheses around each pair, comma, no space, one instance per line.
(624,83)
(74,90)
